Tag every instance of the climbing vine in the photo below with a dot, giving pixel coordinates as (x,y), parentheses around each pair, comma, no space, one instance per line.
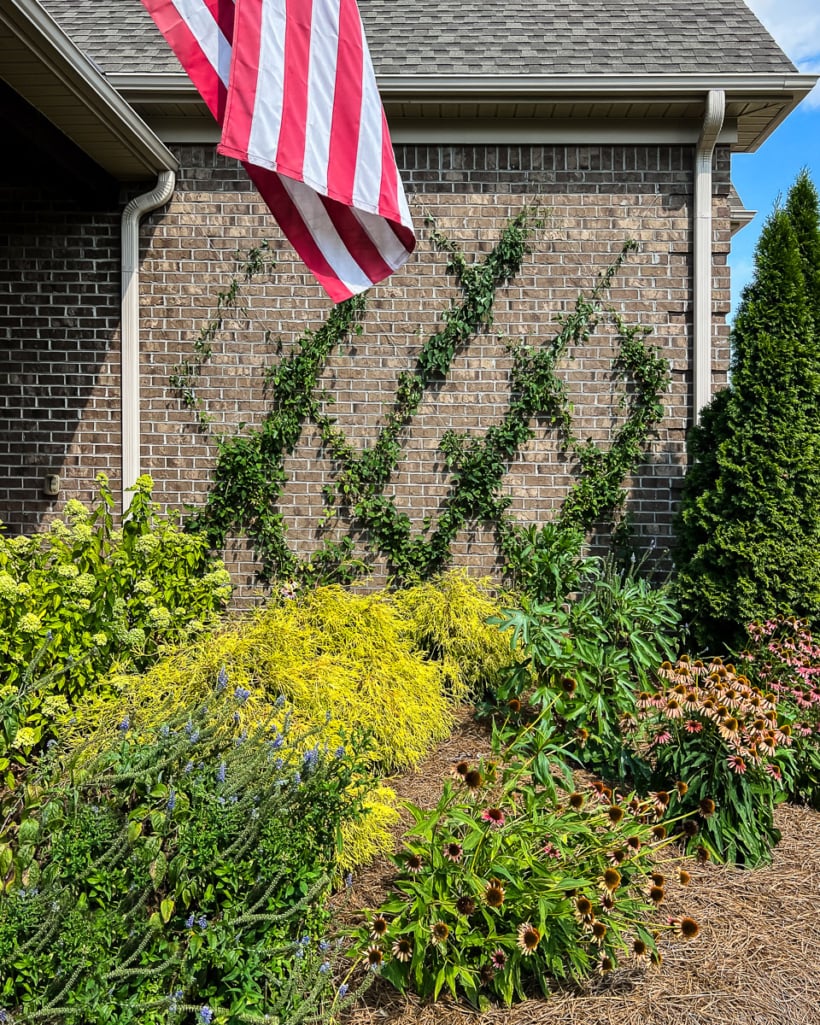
(249,475)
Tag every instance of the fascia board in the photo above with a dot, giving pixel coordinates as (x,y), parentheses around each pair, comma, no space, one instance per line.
(41,35)
(176,86)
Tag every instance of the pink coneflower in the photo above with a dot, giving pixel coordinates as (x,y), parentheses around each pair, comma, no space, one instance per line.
(706,807)
(459,770)
(673,708)
(583,910)
(686,927)
(413,863)
(494,894)
(528,938)
(402,949)
(374,958)
(439,933)
(465,906)
(736,764)
(661,738)
(378,927)
(453,851)
(773,771)
(599,931)
(495,816)
(498,959)
(551,850)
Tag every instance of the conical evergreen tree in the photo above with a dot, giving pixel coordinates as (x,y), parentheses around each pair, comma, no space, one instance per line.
(803,208)
(749,522)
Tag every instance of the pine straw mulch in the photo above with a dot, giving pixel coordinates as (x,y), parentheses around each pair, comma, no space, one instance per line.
(755,961)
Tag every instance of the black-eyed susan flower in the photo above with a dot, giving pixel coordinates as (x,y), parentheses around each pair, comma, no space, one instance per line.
(528,938)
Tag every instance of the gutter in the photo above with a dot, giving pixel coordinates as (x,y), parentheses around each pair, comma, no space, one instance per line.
(144,86)
(130,377)
(703,256)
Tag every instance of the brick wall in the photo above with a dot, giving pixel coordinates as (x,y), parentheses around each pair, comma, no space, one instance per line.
(592,198)
(59,345)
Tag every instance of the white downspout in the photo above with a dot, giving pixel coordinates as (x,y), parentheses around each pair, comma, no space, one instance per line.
(130,375)
(702,271)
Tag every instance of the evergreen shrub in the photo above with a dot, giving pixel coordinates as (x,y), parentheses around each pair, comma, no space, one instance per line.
(749,523)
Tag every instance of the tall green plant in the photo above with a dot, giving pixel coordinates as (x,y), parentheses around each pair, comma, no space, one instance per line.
(749,522)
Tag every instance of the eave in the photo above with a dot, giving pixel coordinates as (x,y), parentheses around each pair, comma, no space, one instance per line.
(47,71)
(548,107)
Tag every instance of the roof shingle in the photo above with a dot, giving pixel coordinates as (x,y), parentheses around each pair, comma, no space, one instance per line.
(504,37)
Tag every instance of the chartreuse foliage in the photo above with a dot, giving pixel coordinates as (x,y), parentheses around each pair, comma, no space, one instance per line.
(507,886)
(179,873)
(749,522)
(83,595)
(250,470)
(448,618)
(340,661)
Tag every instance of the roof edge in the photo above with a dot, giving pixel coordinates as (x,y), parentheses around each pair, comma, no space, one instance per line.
(37,30)
(448,86)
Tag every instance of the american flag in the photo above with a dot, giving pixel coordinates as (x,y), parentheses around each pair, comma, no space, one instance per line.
(292,86)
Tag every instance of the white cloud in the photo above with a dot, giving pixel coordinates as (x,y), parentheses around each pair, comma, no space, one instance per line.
(795,24)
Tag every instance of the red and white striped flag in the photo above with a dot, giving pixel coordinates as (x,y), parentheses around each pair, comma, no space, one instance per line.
(292,86)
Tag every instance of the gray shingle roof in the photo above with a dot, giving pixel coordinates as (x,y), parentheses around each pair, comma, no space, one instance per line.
(505,37)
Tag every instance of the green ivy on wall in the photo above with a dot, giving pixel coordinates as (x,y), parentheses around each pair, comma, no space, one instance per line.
(249,475)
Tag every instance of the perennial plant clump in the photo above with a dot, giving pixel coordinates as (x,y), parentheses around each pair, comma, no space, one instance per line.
(184,867)
(83,595)
(726,741)
(784,657)
(506,887)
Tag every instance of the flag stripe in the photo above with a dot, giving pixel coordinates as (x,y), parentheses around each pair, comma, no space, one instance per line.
(322,95)
(201,47)
(254,81)
(290,151)
(298,104)
(347,120)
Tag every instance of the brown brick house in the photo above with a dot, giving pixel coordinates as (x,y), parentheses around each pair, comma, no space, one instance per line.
(618,119)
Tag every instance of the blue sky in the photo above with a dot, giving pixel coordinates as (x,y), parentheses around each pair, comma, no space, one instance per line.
(760,177)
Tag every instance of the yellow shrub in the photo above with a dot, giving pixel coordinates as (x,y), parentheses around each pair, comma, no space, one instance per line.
(331,653)
(448,618)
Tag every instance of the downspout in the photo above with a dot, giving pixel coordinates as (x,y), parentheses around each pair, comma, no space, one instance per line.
(702,271)
(130,376)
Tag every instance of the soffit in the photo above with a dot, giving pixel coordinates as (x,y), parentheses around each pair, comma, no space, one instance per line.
(49,73)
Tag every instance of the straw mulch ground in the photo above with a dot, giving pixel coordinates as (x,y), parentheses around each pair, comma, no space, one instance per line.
(754,963)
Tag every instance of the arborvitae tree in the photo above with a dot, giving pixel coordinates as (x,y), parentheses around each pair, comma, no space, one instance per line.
(749,522)
(803,208)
